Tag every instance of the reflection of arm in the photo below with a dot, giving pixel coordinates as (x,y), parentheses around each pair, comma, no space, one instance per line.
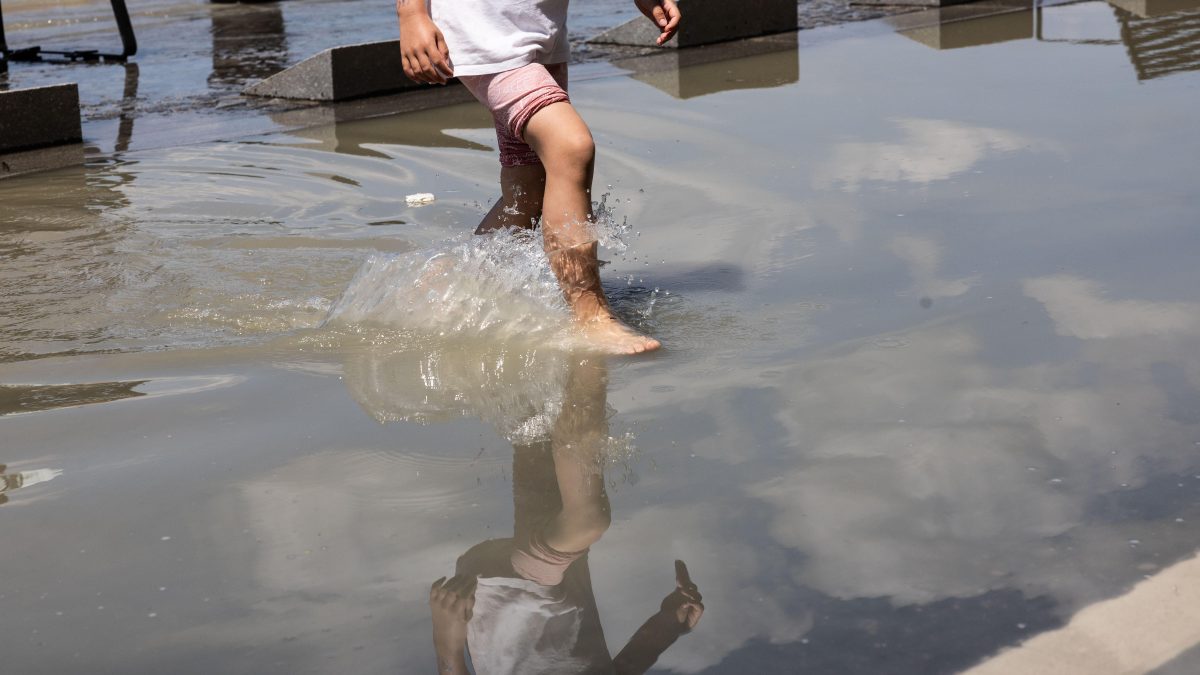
(452,603)
(648,643)
(679,613)
(453,662)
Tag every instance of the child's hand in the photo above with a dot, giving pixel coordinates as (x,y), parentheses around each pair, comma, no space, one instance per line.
(451,603)
(423,49)
(664,14)
(684,603)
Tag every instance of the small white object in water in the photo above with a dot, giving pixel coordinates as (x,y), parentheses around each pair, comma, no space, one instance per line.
(419,199)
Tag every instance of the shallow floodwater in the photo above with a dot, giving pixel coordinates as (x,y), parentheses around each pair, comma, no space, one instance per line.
(929,399)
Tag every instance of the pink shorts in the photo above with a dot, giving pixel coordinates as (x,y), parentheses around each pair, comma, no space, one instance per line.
(536,561)
(514,97)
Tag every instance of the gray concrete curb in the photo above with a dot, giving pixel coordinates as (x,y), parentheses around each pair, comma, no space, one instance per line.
(341,74)
(710,21)
(39,117)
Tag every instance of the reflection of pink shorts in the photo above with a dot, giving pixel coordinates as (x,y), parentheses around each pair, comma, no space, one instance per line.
(536,561)
(514,96)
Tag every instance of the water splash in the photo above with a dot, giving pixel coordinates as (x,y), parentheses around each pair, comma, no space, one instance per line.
(496,285)
(610,233)
(518,390)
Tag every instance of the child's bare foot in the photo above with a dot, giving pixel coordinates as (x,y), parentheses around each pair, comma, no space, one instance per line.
(578,272)
(610,335)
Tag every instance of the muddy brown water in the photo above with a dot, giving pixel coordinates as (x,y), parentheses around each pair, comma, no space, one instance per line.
(929,387)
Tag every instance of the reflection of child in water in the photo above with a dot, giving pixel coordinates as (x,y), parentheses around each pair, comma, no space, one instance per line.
(511,54)
(525,604)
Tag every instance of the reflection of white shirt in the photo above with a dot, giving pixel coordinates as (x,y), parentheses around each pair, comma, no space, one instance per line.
(491,36)
(519,626)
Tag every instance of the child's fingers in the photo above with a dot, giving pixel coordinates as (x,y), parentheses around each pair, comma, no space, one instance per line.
(660,16)
(443,68)
(672,23)
(428,72)
(444,63)
(415,72)
(682,578)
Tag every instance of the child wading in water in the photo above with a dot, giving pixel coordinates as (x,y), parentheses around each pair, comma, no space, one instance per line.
(512,55)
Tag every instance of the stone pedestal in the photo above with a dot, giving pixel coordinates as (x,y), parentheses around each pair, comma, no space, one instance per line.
(912,3)
(1147,9)
(340,74)
(758,63)
(39,117)
(708,21)
(982,23)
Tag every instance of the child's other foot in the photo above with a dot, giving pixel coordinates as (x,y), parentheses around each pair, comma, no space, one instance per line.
(611,336)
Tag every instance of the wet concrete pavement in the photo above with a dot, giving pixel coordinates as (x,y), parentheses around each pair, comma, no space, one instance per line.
(195,58)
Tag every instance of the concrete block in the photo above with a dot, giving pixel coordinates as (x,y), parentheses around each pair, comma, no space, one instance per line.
(1147,9)
(336,131)
(756,63)
(912,3)
(341,73)
(42,159)
(39,117)
(968,26)
(709,21)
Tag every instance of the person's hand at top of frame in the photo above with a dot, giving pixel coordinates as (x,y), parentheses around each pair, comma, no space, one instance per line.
(423,49)
(664,14)
(684,603)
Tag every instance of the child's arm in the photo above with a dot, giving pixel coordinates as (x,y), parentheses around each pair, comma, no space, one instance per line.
(422,46)
(680,612)
(451,603)
(664,14)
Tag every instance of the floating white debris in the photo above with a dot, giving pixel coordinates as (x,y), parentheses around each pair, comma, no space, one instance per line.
(419,199)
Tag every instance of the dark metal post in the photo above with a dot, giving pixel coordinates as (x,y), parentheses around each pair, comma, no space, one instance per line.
(124,25)
(128,39)
(3,41)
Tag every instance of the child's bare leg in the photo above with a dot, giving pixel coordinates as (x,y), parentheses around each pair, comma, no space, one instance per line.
(520,203)
(577,441)
(564,144)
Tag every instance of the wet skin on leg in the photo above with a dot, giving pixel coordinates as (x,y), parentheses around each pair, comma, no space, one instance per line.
(520,203)
(563,142)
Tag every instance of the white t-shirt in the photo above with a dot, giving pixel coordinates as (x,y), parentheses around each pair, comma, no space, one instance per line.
(522,627)
(492,36)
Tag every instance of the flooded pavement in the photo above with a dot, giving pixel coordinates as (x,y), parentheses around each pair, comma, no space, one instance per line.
(195,57)
(929,390)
